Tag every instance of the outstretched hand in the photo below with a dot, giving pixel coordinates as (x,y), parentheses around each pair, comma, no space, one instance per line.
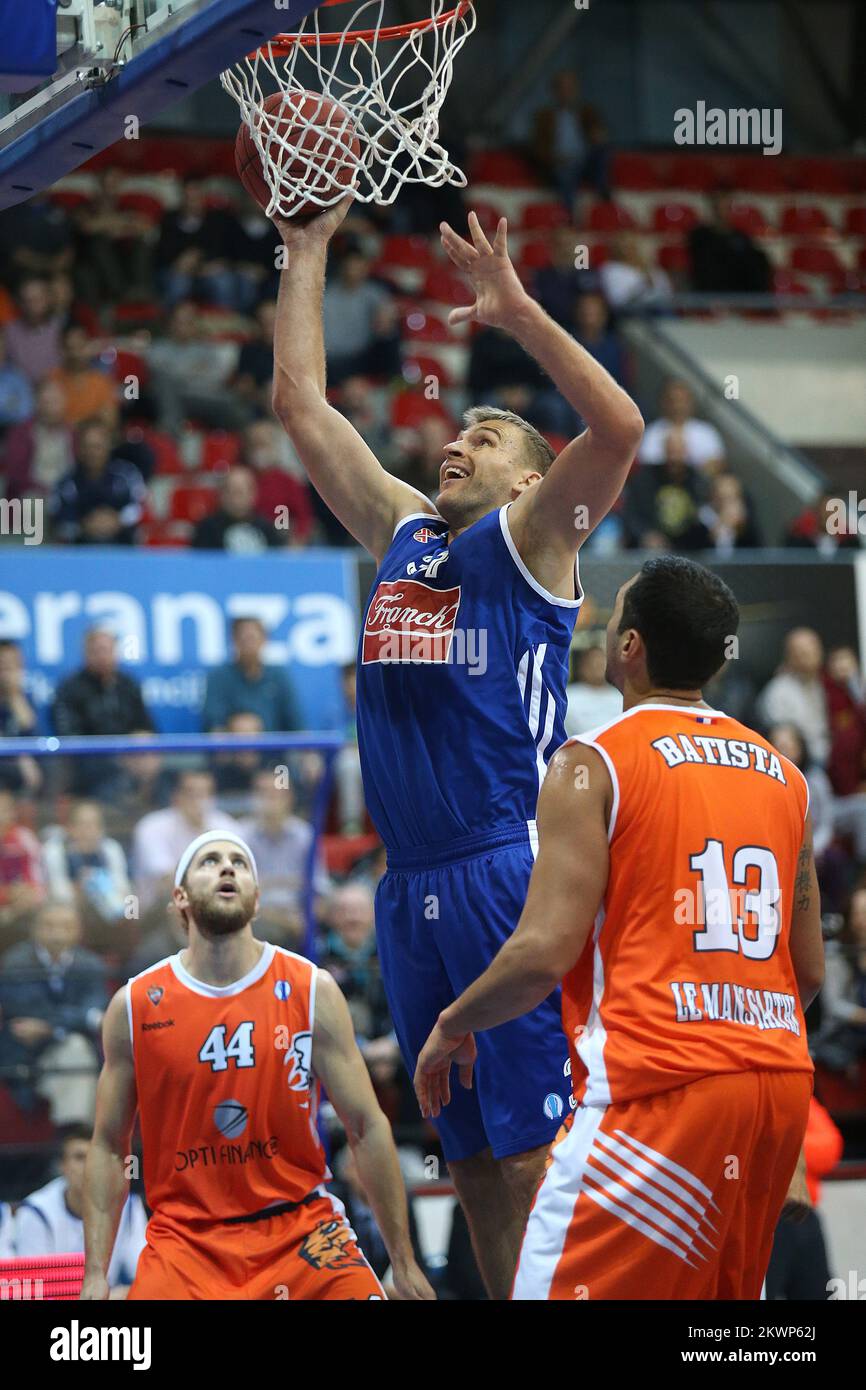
(432,1084)
(499,294)
(318,229)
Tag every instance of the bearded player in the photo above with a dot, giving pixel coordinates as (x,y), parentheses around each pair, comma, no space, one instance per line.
(461,690)
(221,1048)
(675,896)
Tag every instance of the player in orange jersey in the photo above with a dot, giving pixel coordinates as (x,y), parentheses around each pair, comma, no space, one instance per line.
(675,896)
(221,1048)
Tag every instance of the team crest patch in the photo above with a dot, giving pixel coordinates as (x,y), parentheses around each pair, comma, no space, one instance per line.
(425,535)
(331,1246)
(410,623)
(155,993)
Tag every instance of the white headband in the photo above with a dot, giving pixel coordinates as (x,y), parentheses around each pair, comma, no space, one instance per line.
(211,837)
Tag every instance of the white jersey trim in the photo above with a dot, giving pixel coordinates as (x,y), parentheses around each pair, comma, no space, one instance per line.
(414,516)
(550,1218)
(608,762)
(223,991)
(590,1048)
(530,579)
(591,734)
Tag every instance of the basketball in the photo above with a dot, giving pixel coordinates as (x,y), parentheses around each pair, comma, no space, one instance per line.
(325,142)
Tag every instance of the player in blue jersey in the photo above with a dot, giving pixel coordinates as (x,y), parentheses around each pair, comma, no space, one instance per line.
(461,691)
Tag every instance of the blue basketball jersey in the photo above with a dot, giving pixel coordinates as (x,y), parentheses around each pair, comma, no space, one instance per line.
(462,669)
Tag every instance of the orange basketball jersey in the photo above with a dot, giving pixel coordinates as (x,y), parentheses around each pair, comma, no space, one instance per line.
(688,972)
(227,1099)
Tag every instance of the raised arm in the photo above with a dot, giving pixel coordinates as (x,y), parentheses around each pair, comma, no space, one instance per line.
(343,470)
(340,1067)
(105,1176)
(552,519)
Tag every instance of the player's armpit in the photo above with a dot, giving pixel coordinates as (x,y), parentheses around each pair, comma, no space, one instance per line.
(807,944)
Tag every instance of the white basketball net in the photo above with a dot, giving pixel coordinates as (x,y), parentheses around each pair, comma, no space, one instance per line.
(391,88)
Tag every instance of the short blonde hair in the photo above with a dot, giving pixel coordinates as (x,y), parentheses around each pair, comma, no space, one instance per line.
(540,452)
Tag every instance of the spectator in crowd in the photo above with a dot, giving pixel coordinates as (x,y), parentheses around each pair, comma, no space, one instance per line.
(248,684)
(236,525)
(662,505)
(17,720)
(366,406)
(799,1268)
(71,308)
(40,451)
(424,452)
(192,251)
(705,447)
(161,837)
(826,526)
(349,786)
(33,339)
(35,238)
(254,377)
(190,374)
(591,701)
(16,391)
(796,694)
(50,1220)
(280,495)
(100,502)
(85,867)
(629,281)
(166,937)
(144,784)
(87,392)
(53,995)
(236,771)
(570,141)
(724,259)
(592,329)
(281,843)
(252,248)
(360,322)
(113,245)
(830,862)
(841,1044)
(99,699)
(22,878)
(349,953)
(349,1190)
(845,692)
(728,518)
(495,361)
(557,286)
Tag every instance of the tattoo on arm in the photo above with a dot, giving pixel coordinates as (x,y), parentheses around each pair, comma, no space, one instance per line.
(803,881)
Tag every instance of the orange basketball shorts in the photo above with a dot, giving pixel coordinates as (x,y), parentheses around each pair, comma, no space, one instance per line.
(310,1252)
(674,1196)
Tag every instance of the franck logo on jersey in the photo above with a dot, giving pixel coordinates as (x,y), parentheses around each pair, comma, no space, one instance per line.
(408,622)
(553,1106)
(230,1118)
(155,993)
(282,989)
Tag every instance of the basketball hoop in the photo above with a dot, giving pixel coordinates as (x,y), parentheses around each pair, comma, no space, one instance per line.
(390,80)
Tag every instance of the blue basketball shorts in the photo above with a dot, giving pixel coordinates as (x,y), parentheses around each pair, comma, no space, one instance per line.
(441,918)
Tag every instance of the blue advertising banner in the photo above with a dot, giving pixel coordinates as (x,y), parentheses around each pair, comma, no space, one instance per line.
(28,43)
(171,613)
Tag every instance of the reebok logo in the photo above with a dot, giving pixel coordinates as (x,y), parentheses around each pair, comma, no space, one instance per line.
(77,1343)
(160,1023)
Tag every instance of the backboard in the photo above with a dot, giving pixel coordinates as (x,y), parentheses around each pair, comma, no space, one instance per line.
(119,63)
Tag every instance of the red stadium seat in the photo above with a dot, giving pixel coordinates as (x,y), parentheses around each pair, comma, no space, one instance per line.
(855,221)
(68,198)
(409,408)
(502,167)
(786,283)
(673,256)
(192,502)
(815,258)
(446,286)
(144,203)
(424,327)
(342,852)
(165,534)
(220,450)
(418,366)
(803,220)
(413,251)
(610,217)
(820,175)
(749,219)
(535,254)
(137,312)
(639,172)
(123,364)
(696,172)
(168,459)
(544,217)
(674,217)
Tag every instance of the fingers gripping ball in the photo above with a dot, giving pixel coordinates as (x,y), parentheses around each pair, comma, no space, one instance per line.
(310,145)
